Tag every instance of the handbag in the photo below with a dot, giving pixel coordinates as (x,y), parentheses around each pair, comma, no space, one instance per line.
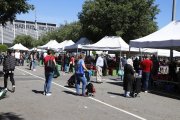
(120,72)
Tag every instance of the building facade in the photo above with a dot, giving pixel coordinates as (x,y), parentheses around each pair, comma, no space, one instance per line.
(20,27)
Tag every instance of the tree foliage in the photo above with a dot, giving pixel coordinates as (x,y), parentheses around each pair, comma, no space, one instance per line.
(70,31)
(25,40)
(129,19)
(3,48)
(10,8)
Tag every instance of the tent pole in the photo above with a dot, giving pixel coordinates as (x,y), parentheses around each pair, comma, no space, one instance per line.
(129,52)
(120,60)
(140,50)
(171,54)
(77,51)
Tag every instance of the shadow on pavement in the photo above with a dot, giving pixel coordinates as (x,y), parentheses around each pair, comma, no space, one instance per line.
(37,92)
(70,92)
(166,94)
(10,116)
(116,83)
(115,79)
(69,86)
(118,94)
(27,68)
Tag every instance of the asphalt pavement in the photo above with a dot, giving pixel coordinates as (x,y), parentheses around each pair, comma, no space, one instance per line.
(28,102)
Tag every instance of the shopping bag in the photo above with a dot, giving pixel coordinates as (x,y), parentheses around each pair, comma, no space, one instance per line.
(120,72)
(56,72)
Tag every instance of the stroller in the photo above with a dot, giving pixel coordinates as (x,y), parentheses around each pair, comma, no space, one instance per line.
(72,79)
(90,87)
(136,87)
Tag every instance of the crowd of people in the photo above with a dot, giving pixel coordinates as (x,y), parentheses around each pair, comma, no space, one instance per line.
(147,67)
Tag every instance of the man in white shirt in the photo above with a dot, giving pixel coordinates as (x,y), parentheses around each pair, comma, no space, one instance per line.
(99,65)
(17,56)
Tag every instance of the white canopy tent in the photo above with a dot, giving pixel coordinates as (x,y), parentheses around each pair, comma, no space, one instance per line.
(161,52)
(167,37)
(108,43)
(49,45)
(37,49)
(60,46)
(19,47)
(78,44)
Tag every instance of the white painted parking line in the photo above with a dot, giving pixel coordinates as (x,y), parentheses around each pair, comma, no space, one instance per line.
(111,106)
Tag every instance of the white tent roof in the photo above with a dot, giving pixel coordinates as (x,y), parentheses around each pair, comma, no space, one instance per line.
(19,47)
(50,44)
(63,44)
(78,44)
(37,49)
(167,37)
(161,52)
(60,45)
(109,43)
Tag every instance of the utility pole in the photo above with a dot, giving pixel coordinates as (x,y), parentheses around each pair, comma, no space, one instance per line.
(36,25)
(2,37)
(174,10)
(173,18)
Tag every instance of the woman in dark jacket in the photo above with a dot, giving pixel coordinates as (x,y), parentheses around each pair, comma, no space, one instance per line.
(128,77)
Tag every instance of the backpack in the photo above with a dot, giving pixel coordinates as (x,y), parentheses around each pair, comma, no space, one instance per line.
(79,68)
(50,64)
(9,63)
(90,89)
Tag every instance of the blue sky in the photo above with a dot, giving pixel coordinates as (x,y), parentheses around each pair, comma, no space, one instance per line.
(61,11)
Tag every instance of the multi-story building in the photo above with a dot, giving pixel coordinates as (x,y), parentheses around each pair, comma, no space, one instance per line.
(20,27)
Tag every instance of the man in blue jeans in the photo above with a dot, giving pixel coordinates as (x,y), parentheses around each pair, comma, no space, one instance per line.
(80,75)
(49,73)
(146,66)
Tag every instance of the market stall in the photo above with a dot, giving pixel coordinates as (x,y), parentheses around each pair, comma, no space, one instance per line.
(166,38)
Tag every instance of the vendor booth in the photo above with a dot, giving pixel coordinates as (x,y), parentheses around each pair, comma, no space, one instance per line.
(110,43)
(166,38)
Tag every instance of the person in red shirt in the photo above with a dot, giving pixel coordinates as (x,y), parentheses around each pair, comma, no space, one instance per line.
(146,66)
(49,73)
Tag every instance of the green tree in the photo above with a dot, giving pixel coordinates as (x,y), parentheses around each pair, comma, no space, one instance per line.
(71,31)
(25,40)
(129,19)
(3,48)
(10,8)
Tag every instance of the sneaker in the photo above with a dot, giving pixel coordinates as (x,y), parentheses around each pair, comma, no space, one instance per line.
(34,69)
(13,89)
(44,93)
(5,89)
(128,96)
(146,91)
(84,95)
(48,94)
